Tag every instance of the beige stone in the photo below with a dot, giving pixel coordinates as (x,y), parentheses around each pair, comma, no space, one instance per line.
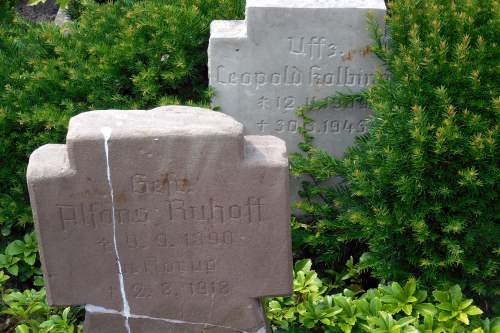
(169,220)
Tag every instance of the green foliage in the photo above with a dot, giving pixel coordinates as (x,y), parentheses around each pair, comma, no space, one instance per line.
(61,3)
(452,305)
(389,308)
(75,9)
(28,312)
(6,10)
(422,187)
(3,278)
(26,307)
(20,256)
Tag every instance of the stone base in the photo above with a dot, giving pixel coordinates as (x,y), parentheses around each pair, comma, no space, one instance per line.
(115,323)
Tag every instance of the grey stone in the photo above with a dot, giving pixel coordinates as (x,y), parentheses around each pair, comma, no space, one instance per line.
(169,220)
(288,53)
(62,17)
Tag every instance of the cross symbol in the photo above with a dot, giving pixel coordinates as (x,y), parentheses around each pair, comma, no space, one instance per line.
(104,243)
(262,125)
(263,102)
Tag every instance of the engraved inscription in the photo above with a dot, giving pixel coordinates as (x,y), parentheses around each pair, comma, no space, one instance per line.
(80,214)
(161,240)
(177,288)
(215,212)
(105,245)
(165,184)
(95,215)
(292,76)
(324,127)
(158,266)
(208,288)
(139,290)
(313,48)
(288,76)
(336,105)
(284,104)
(343,76)
(208,238)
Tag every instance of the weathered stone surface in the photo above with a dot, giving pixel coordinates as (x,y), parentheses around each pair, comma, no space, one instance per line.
(288,53)
(167,220)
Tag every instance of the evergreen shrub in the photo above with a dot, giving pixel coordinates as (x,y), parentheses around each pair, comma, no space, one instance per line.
(6,9)
(423,186)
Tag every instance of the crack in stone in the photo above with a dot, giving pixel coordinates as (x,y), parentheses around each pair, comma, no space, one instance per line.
(106,132)
(98,309)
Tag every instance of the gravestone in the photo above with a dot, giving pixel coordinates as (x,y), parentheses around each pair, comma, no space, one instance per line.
(169,220)
(289,53)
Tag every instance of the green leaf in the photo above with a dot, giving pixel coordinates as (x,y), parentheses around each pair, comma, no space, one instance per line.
(397,291)
(22,329)
(440,296)
(405,321)
(332,312)
(303,265)
(465,304)
(444,316)
(425,309)
(274,305)
(13,270)
(462,316)
(445,306)
(365,327)
(62,3)
(343,303)
(30,260)
(456,295)
(421,295)
(474,311)
(65,313)
(410,287)
(407,309)
(389,299)
(375,305)
(38,281)
(15,248)
(35,2)
(3,277)
(410,329)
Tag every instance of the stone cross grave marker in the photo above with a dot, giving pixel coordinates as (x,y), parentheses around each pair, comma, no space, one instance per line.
(169,220)
(288,53)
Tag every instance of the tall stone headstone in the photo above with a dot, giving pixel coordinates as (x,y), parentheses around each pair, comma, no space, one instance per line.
(169,220)
(289,53)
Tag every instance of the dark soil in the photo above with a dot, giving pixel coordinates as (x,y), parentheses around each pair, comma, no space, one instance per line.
(42,12)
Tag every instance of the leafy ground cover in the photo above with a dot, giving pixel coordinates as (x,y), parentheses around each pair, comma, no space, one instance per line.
(389,308)
(420,208)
